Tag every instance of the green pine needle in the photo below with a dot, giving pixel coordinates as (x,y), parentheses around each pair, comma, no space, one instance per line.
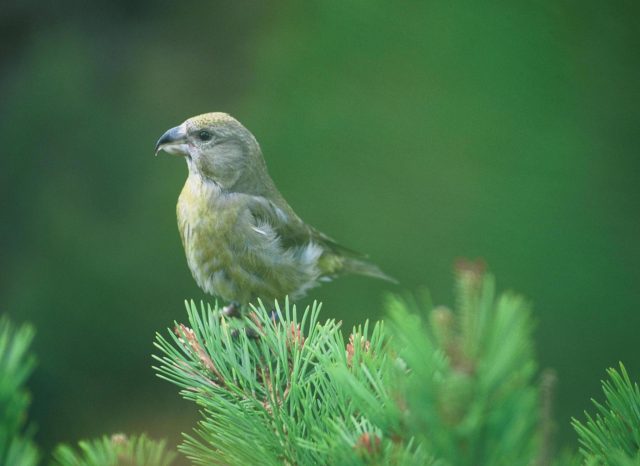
(16,365)
(117,450)
(436,387)
(612,436)
(429,386)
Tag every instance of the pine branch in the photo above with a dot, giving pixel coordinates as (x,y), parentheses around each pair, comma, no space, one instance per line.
(439,387)
(16,365)
(430,386)
(612,436)
(264,400)
(117,450)
(460,384)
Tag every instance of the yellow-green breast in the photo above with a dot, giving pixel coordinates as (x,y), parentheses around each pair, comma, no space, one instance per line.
(231,257)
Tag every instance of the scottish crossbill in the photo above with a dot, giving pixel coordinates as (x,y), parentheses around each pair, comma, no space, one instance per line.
(242,239)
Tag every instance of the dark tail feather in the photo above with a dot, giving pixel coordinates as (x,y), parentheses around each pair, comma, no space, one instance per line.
(361,267)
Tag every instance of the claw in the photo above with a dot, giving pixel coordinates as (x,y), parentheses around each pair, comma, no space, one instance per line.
(251,333)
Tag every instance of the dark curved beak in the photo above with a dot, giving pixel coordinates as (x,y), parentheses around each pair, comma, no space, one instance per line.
(174,141)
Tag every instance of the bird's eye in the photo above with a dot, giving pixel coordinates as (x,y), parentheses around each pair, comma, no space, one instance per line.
(204,136)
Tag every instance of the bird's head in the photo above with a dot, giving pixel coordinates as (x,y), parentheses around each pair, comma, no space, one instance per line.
(218,148)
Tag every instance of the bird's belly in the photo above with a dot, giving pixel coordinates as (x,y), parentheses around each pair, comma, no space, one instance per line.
(229,259)
(223,267)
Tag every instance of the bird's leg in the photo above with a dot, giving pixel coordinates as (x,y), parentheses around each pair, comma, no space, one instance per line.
(231,310)
(234,310)
(250,332)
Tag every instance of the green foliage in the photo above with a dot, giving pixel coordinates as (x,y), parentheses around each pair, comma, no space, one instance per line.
(467,396)
(16,365)
(117,450)
(264,400)
(612,436)
(441,387)
(429,386)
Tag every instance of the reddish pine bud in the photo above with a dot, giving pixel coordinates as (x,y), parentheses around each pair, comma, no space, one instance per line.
(368,443)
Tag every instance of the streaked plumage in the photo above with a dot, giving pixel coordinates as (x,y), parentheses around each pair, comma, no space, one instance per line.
(241,238)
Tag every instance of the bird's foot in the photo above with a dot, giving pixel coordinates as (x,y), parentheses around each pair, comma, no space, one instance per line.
(231,310)
(234,311)
(251,333)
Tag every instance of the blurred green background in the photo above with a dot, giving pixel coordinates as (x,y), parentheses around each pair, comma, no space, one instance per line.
(418,132)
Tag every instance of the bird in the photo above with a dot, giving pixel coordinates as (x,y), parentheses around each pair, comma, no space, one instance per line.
(242,240)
